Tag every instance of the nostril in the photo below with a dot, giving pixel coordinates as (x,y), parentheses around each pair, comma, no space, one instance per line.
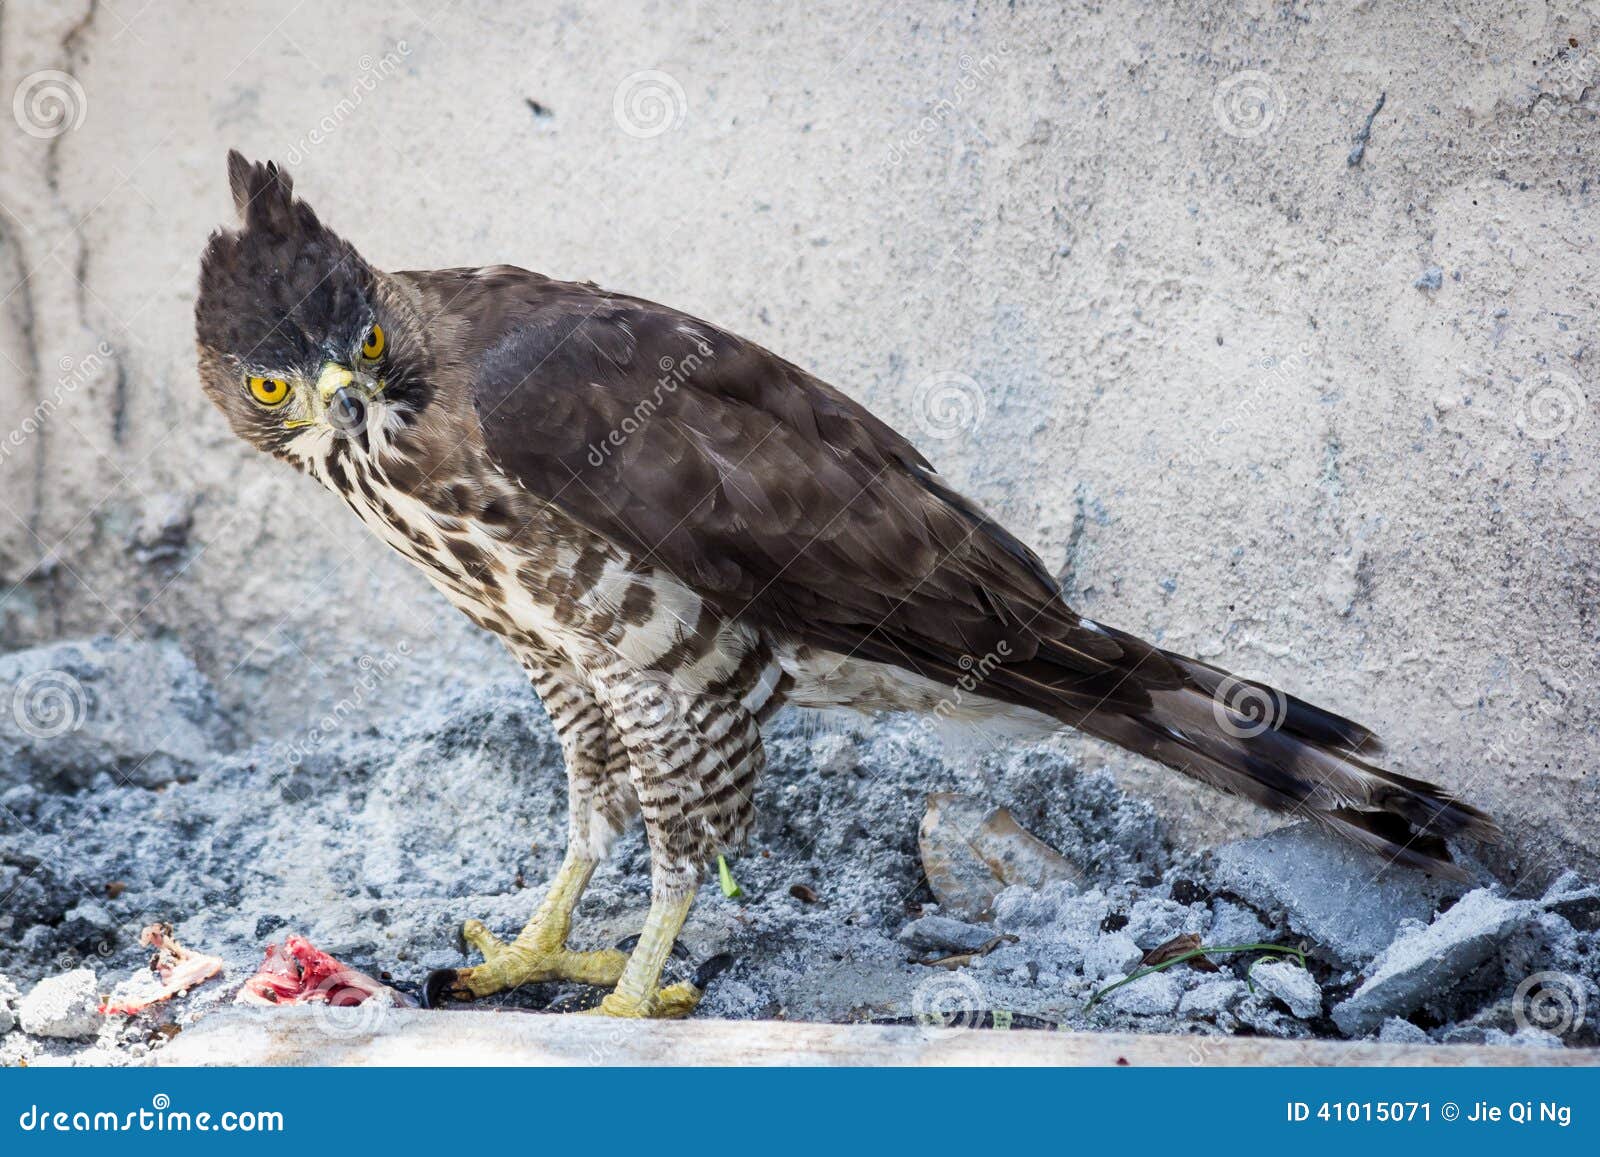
(347,413)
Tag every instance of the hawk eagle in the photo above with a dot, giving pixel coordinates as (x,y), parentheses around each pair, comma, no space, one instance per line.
(676,532)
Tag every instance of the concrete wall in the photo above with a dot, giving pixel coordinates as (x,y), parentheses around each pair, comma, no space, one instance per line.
(1117,268)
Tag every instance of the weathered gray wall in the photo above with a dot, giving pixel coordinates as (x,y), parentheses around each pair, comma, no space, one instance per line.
(1110,265)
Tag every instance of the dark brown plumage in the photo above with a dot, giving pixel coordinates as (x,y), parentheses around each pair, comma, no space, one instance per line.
(636,500)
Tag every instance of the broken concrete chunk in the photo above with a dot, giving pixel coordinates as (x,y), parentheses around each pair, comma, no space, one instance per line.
(8,1005)
(70,711)
(1212,997)
(1152,995)
(1116,954)
(1292,984)
(1396,1031)
(1235,924)
(1427,961)
(65,1006)
(1331,892)
(971,851)
(943,934)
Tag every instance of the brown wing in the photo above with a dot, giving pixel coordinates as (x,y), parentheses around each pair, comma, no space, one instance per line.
(772,494)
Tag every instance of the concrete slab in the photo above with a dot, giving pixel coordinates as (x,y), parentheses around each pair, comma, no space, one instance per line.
(408,1037)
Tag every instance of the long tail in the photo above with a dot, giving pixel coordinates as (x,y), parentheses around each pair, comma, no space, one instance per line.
(1252,740)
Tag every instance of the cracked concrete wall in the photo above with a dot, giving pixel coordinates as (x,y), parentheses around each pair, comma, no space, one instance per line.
(1315,407)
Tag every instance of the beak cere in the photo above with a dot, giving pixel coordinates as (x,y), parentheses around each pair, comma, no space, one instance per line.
(344,406)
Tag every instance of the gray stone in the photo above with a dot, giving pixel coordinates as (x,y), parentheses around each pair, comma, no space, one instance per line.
(944,934)
(1336,895)
(1153,921)
(1292,984)
(1429,960)
(1430,278)
(65,1006)
(1114,954)
(8,1005)
(1235,924)
(136,711)
(1152,995)
(1212,997)
(1397,1031)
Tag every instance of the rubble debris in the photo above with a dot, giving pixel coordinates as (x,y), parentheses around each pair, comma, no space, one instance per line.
(945,934)
(9,996)
(1429,960)
(1153,994)
(139,711)
(65,1006)
(1430,278)
(296,972)
(1213,997)
(972,850)
(1115,954)
(1396,1031)
(173,970)
(1291,983)
(1329,891)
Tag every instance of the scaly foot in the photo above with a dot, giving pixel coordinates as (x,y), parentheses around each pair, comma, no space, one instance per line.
(674,1002)
(535,956)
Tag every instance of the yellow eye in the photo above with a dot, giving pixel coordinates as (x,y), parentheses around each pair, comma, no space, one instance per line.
(269,391)
(372,344)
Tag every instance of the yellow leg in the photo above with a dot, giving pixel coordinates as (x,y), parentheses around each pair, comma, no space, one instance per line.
(539,953)
(638,992)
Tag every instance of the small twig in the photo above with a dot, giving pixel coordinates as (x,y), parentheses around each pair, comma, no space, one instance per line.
(1139,973)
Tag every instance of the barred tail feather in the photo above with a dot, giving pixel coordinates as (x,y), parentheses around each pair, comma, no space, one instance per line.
(1252,740)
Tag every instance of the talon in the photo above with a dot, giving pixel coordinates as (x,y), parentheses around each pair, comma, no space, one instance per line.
(629,943)
(440,986)
(713,967)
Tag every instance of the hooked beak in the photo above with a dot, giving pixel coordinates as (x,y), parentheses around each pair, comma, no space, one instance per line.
(343,398)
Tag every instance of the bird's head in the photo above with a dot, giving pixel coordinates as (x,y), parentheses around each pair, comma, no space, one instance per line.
(301,342)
